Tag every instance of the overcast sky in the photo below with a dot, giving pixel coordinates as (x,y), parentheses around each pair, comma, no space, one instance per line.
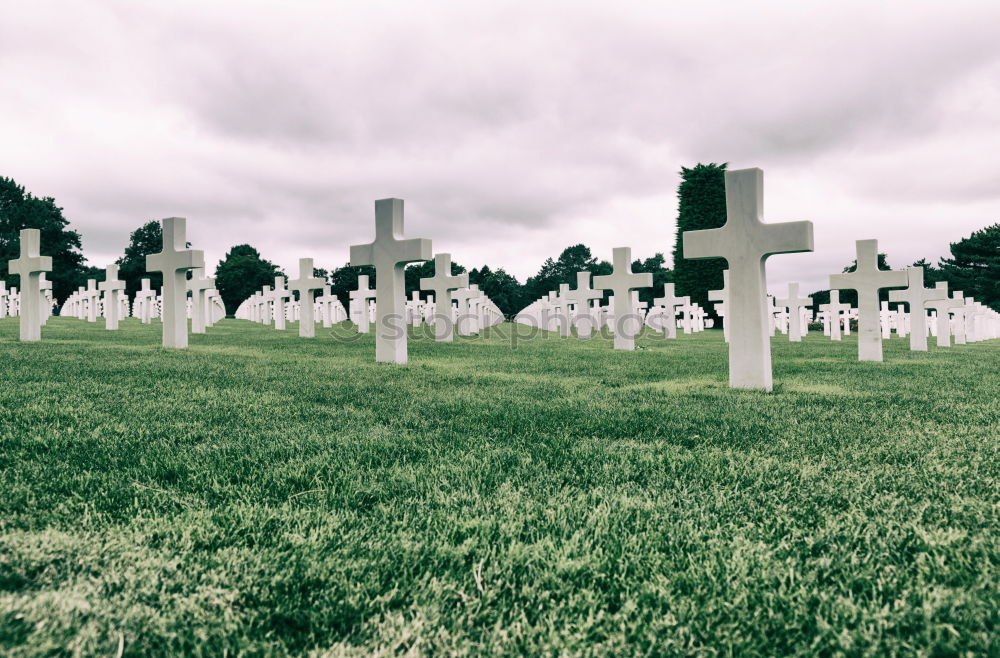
(511,130)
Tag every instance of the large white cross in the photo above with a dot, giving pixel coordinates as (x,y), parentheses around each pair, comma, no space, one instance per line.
(443,283)
(198,284)
(306,285)
(111,287)
(746,242)
(621,282)
(794,304)
(360,298)
(29,266)
(174,262)
(278,296)
(915,296)
(867,279)
(390,253)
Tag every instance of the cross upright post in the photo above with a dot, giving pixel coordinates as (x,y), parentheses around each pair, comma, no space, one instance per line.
(867,279)
(621,282)
(29,266)
(794,303)
(306,285)
(174,262)
(389,254)
(442,284)
(746,242)
(916,296)
(111,286)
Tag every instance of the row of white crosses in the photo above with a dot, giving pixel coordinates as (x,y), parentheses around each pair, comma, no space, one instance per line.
(624,316)
(746,242)
(269,303)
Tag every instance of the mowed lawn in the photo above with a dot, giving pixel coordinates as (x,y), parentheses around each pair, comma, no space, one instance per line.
(262,494)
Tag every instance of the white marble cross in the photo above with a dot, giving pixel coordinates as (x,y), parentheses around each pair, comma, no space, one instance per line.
(670,302)
(621,282)
(174,262)
(833,311)
(111,287)
(746,242)
(442,284)
(390,253)
(915,296)
(722,308)
(943,305)
(198,284)
(278,296)
(29,266)
(92,294)
(867,279)
(360,298)
(581,298)
(144,298)
(463,321)
(794,303)
(306,285)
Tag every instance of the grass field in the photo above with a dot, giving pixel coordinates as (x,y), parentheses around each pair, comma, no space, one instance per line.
(261,494)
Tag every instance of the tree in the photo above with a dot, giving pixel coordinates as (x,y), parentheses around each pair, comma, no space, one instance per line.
(974,266)
(932,275)
(655,265)
(145,240)
(504,289)
(702,196)
(20,210)
(563,270)
(242,273)
(345,279)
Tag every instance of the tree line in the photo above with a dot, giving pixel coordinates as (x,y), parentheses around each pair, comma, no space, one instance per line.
(973,265)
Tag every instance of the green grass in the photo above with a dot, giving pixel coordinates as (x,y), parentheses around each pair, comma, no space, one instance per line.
(261,494)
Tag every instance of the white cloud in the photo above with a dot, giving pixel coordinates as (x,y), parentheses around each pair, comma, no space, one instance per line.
(511,130)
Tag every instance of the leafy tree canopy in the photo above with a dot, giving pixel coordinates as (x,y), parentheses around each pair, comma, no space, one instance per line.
(145,240)
(702,205)
(974,266)
(19,209)
(242,273)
